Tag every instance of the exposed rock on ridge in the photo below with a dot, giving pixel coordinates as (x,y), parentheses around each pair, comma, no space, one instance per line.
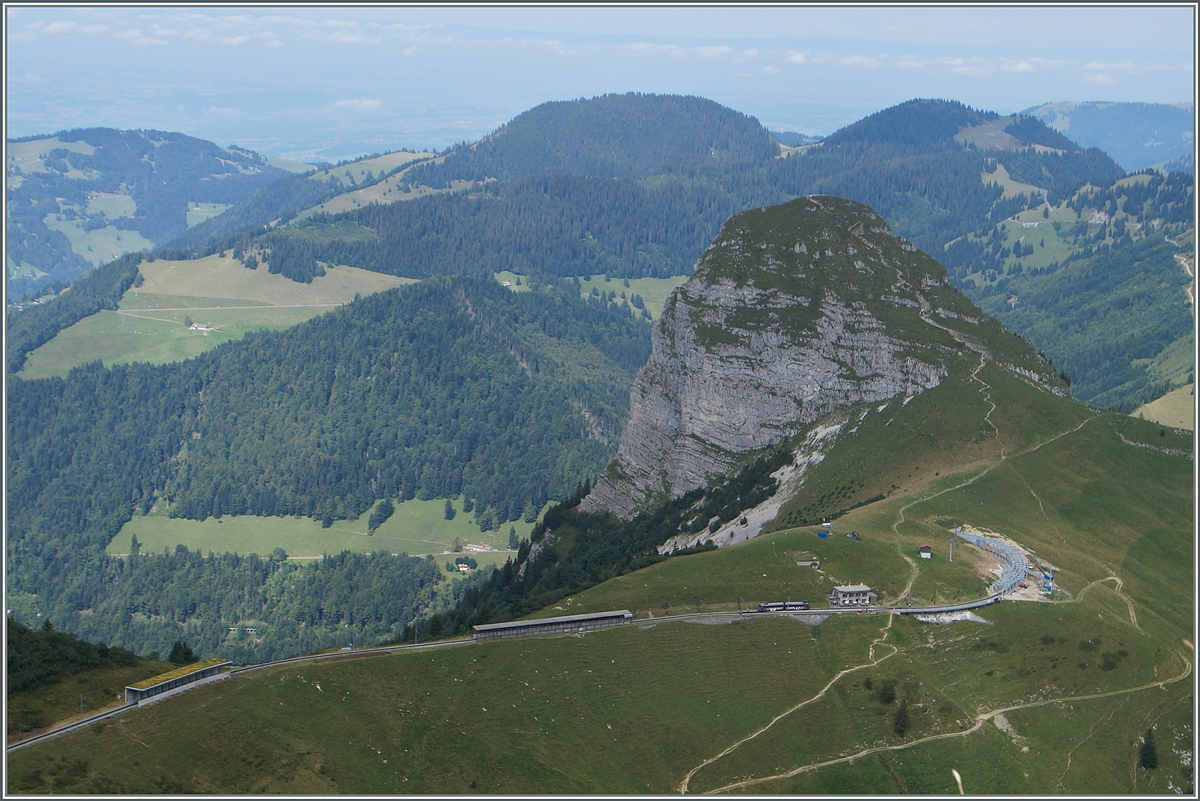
(792,312)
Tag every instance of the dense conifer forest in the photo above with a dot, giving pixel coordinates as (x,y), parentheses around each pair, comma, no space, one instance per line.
(427,391)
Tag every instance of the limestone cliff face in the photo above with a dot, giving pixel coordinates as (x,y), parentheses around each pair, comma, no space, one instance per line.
(792,312)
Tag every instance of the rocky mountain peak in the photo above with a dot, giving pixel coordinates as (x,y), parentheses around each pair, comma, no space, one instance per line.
(792,312)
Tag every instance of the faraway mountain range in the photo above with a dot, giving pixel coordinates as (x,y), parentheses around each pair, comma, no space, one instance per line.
(667,344)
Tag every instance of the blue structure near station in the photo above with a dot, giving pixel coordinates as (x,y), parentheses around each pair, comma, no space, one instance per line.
(551,625)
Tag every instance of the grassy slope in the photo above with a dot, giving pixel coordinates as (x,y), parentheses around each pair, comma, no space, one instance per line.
(417,527)
(215,291)
(1113,519)
(101,688)
(654,291)
(1177,408)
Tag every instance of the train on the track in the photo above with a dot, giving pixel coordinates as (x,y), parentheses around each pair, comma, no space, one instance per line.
(782,606)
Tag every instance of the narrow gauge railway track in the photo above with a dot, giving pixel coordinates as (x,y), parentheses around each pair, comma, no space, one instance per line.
(384,651)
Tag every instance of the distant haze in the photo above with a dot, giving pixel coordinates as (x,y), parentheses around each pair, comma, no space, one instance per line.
(330,83)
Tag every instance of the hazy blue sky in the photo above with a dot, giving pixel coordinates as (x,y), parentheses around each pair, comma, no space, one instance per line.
(333,82)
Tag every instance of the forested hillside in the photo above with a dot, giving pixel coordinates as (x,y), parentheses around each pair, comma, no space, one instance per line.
(447,387)
(612,136)
(636,185)
(552,226)
(1136,135)
(72,196)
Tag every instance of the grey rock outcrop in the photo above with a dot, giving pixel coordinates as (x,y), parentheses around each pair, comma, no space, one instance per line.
(793,312)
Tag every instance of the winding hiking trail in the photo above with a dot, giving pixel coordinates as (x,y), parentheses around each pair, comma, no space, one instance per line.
(1120,590)
(885,631)
(980,720)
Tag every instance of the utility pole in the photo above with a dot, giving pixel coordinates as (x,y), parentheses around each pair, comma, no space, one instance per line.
(951,549)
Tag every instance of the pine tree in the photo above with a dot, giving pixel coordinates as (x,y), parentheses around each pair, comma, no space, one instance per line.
(181,654)
(900,722)
(1148,755)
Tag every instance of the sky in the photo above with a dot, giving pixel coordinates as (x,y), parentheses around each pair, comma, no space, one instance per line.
(327,83)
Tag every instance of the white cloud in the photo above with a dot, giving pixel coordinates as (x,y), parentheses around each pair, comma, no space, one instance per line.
(863,62)
(771,69)
(555,46)
(359,104)
(796,58)
(136,37)
(705,51)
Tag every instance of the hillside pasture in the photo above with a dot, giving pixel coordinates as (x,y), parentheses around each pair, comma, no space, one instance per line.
(654,291)
(387,191)
(416,528)
(111,204)
(99,246)
(219,295)
(1177,408)
(644,708)
(225,277)
(350,174)
(1010,185)
(29,157)
(291,165)
(199,212)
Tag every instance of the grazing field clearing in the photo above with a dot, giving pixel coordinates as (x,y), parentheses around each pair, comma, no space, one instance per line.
(199,212)
(654,291)
(1175,363)
(225,277)
(1010,185)
(350,174)
(99,246)
(416,528)
(17,269)
(1177,408)
(111,205)
(290,165)
(126,337)
(217,294)
(29,156)
(384,192)
(517,283)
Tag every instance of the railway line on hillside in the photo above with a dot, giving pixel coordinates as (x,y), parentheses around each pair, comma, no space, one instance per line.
(338,656)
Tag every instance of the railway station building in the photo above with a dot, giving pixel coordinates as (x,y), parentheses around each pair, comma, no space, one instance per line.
(852,595)
(165,682)
(551,625)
